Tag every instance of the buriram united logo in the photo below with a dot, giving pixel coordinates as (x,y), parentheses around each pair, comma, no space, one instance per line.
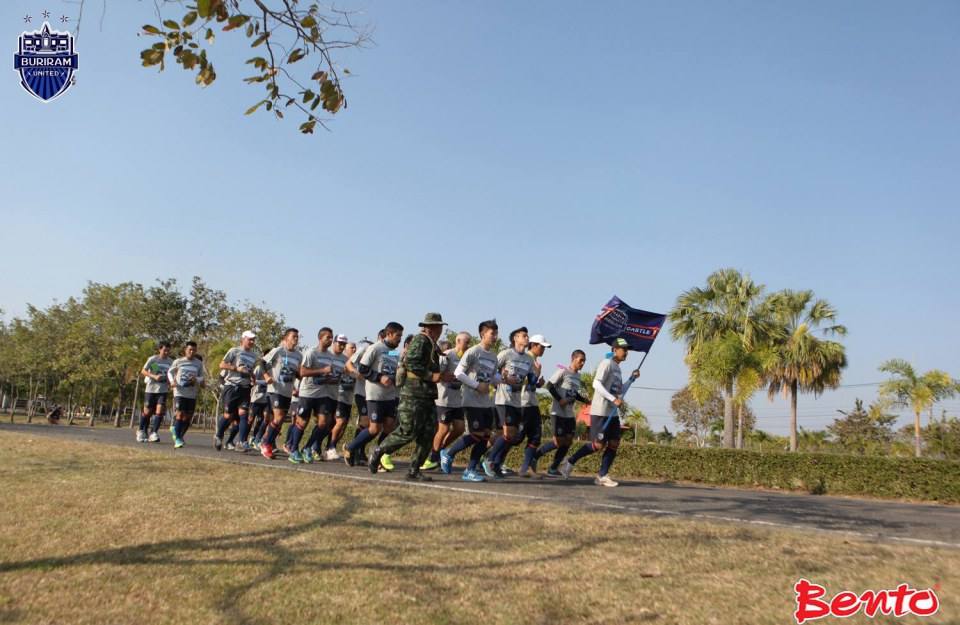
(46,61)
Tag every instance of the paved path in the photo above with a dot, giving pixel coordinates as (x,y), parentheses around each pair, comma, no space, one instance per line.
(922,524)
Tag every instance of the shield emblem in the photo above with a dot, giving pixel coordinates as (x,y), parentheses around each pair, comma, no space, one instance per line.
(46,62)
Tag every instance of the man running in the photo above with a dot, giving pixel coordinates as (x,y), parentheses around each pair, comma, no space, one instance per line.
(476,371)
(450,424)
(378,366)
(155,390)
(360,399)
(531,426)
(421,362)
(186,377)
(282,366)
(346,390)
(604,429)
(237,364)
(319,378)
(259,411)
(566,388)
(514,365)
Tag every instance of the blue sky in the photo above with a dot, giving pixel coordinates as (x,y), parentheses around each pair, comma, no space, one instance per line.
(519,160)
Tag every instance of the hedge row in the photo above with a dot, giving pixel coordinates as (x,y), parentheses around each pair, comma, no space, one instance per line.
(834,474)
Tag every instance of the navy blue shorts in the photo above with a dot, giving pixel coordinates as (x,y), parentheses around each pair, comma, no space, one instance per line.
(185,405)
(445,414)
(381,410)
(320,406)
(280,402)
(361,403)
(563,426)
(235,398)
(258,409)
(479,419)
(510,416)
(343,411)
(600,434)
(152,400)
(531,424)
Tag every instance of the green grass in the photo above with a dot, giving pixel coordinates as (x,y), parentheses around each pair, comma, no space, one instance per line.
(101,534)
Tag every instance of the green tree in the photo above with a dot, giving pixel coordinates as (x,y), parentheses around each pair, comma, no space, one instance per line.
(863,431)
(710,320)
(942,438)
(908,389)
(800,361)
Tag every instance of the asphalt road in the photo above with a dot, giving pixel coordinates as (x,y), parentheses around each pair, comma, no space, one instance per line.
(866,519)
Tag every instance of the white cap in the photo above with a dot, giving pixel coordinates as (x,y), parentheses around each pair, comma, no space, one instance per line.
(539,340)
(248,334)
(341,338)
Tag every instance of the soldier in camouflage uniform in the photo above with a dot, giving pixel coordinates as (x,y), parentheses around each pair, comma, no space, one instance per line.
(418,390)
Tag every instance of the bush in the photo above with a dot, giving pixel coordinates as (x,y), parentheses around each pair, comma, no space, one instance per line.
(834,474)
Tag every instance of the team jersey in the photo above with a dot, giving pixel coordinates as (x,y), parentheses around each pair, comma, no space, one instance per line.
(608,374)
(448,393)
(480,365)
(156,364)
(568,385)
(511,362)
(321,385)
(347,385)
(383,361)
(284,367)
(187,374)
(239,357)
(361,388)
(258,393)
(528,396)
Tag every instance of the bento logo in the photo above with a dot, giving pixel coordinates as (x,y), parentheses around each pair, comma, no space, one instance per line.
(900,602)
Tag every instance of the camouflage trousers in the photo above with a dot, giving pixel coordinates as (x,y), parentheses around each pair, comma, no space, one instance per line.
(418,424)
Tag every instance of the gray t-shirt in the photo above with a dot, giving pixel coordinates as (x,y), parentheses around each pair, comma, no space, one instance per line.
(380,359)
(608,374)
(258,393)
(568,385)
(528,396)
(448,393)
(187,376)
(512,362)
(360,388)
(321,385)
(156,364)
(237,356)
(347,385)
(481,365)
(284,366)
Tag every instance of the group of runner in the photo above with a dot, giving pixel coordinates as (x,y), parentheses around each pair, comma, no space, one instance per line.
(486,402)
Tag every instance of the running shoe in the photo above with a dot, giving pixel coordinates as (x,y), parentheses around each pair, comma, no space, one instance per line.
(218,442)
(307,455)
(566,469)
(472,476)
(154,437)
(429,465)
(141,436)
(551,472)
(295,457)
(230,447)
(446,462)
(266,450)
(488,468)
(605,481)
(331,454)
(387,462)
(177,443)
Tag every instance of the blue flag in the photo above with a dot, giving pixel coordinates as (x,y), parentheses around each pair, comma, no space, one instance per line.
(617,320)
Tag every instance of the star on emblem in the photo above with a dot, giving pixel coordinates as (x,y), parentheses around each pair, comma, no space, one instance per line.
(64,19)
(46,14)
(27,18)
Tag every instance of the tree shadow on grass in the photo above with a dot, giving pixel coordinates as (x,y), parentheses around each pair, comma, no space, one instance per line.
(277,552)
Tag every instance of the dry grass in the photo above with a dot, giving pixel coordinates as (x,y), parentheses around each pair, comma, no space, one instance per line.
(97,534)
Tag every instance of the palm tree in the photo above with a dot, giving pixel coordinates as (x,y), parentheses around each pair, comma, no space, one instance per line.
(714,319)
(917,392)
(802,362)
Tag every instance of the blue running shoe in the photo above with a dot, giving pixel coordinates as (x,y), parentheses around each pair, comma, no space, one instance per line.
(177,443)
(295,457)
(488,468)
(307,456)
(446,462)
(472,476)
